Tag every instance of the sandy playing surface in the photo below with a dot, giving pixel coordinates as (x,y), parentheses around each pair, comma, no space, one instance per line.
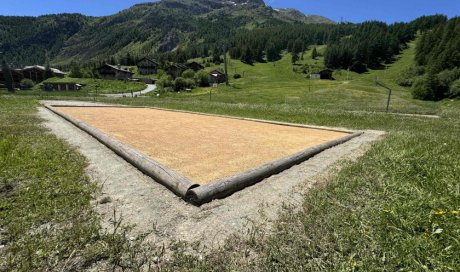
(202,148)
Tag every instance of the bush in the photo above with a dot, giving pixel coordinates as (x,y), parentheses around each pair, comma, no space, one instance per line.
(164,82)
(189,73)
(358,67)
(426,88)
(27,83)
(454,90)
(161,73)
(236,76)
(447,77)
(183,83)
(202,79)
(407,77)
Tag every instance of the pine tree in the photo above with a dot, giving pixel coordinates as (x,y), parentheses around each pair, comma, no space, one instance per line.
(272,53)
(48,72)
(295,58)
(75,70)
(314,53)
(8,76)
(247,56)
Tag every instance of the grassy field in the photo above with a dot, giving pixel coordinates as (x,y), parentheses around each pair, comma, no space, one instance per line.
(91,87)
(47,221)
(276,83)
(395,209)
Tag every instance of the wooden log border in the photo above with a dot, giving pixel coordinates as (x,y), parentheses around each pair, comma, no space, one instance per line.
(186,188)
(227,186)
(164,175)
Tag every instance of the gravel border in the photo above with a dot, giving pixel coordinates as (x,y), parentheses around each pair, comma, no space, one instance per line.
(148,205)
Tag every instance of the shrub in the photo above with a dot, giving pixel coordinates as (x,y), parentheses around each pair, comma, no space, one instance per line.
(236,76)
(454,90)
(407,77)
(426,88)
(160,73)
(189,73)
(202,79)
(358,67)
(190,83)
(447,77)
(164,82)
(183,83)
(27,83)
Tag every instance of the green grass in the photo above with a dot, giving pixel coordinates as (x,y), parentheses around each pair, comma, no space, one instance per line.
(92,87)
(271,83)
(100,86)
(394,209)
(381,213)
(47,221)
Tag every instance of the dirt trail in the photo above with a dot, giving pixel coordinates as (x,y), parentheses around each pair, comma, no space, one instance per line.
(145,203)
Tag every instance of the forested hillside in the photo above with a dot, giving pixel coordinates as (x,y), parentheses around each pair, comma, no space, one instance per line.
(436,71)
(27,40)
(195,27)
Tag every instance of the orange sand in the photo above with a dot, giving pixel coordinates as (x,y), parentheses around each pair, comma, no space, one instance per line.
(202,148)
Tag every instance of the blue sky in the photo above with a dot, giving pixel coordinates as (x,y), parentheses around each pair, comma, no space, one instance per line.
(352,11)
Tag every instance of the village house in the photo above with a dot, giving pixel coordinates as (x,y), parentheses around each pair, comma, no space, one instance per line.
(61,86)
(217,77)
(195,66)
(147,66)
(112,72)
(37,73)
(176,70)
(16,74)
(323,74)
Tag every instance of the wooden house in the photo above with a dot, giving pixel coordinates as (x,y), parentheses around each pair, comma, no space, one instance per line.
(147,66)
(16,74)
(37,73)
(323,74)
(176,70)
(195,66)
(112,72)
(217,77)
(61,86)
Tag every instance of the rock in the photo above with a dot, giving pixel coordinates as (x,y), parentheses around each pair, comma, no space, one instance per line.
(105,200)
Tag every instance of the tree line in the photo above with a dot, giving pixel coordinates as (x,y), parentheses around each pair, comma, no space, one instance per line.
(436,74)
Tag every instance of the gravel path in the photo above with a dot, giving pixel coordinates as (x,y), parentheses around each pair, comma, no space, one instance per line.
(150,88)
(145,203)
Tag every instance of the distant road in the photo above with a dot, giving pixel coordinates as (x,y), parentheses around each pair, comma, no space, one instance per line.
(150,88)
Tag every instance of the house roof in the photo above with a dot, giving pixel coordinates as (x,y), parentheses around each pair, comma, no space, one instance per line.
(196,63)
(42,68)
(216,73)
(147,59)
(121,69)
(180,66)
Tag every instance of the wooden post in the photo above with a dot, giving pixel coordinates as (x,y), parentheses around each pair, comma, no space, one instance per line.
(225,65)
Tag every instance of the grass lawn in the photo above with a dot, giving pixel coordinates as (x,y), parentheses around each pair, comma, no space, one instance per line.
(100,86)
(395,208)
(47,221)
(272,83)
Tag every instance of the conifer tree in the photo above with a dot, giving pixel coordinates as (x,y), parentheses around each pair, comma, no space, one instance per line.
(8,76)
(314,53)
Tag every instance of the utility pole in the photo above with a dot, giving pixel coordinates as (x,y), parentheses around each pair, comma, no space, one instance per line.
(225,65)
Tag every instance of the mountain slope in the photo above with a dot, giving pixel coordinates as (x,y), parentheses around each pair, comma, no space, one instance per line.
(143,29)
(295,15)
(27,40)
